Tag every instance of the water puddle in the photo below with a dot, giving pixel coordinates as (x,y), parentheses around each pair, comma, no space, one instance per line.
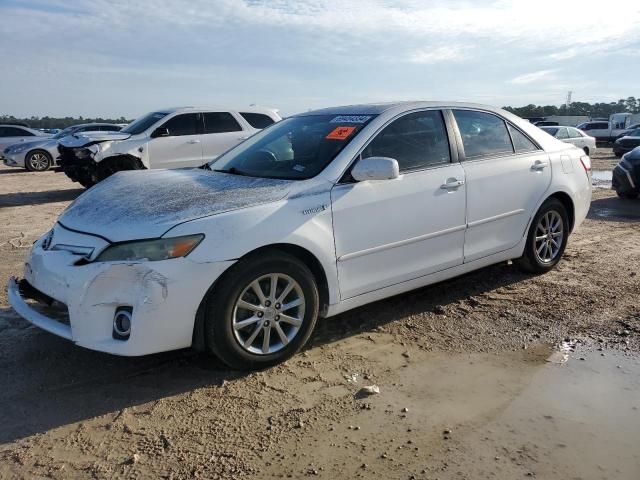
(601,178)
(512,415)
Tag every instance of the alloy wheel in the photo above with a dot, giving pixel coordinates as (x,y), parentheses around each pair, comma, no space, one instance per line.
(38,161)
(268,313)
(548,237)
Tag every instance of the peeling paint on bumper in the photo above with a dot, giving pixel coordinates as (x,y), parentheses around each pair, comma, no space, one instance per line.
(164,296)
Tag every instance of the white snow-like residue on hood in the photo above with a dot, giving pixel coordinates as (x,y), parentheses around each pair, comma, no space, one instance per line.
(145,204)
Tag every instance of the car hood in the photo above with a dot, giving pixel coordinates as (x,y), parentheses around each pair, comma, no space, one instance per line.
(31,143)
(89,138)
(145,204)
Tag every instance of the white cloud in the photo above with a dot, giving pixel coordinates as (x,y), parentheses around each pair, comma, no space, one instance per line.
(437,54)
(533,77)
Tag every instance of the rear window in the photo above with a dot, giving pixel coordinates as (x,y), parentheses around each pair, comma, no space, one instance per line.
(257,120)
(483,134)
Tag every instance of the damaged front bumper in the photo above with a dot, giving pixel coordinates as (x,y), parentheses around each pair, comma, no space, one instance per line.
(163,296)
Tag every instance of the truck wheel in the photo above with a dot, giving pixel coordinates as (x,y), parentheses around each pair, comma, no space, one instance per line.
(112,165)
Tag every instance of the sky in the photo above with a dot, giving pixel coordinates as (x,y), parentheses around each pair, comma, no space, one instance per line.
(115,58)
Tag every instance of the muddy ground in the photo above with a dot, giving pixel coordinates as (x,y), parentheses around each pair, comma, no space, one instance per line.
(465,388)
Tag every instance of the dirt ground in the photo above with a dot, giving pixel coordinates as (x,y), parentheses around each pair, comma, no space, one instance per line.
(466,390)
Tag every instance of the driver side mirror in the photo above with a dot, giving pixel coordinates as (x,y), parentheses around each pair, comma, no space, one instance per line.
(375,168)
(160,132)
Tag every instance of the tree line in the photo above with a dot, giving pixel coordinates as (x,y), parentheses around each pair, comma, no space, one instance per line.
(600,109)
(58,122)
(630,105)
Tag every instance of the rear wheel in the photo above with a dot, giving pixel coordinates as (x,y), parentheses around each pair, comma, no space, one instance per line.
(547,238)
(37,161)
(262,312)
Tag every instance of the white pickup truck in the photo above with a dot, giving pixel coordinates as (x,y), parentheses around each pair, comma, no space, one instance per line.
(607,131)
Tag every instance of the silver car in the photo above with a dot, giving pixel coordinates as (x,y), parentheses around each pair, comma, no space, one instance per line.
(37,155)
(10,134)
(574,136)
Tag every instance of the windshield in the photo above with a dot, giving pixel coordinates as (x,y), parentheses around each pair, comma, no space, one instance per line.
(634,133)
(64,133)
(144,122)
(294,149)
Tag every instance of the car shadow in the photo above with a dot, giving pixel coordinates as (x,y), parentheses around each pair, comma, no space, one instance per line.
(48,382)
(615,209)
(38,198)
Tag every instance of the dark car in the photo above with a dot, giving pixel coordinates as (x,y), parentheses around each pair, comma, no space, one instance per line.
(629,129)
(546,123)
(626,175)
(626,143)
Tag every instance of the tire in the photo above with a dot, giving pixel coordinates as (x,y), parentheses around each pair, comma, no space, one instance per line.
(38,161)
(534,262)
(627,195)
(222,311)
(618,154)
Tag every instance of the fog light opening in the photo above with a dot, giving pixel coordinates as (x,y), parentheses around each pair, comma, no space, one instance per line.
(122,323)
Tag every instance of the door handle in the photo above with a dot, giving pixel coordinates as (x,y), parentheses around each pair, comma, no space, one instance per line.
(195,140)
(452,183)
(539,165)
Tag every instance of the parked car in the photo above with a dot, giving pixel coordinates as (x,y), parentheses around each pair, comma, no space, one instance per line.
(241,258)
(626,143)
(173,138)
(626,175)
(573,136)
(628,130)
(10,134)
(546,123)
(39,155)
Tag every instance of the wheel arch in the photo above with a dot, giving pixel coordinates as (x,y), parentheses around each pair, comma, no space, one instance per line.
(301,253)
(567,201)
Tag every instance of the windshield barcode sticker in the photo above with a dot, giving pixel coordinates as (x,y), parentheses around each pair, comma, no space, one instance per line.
(351,119)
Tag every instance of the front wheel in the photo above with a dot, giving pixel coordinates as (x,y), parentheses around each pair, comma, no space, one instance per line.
(262,311)
(37,161)
(547,238)
(627,195)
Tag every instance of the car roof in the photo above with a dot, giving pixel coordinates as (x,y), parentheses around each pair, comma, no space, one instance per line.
(22,127)
(378,108)
(250,109)
(94,124)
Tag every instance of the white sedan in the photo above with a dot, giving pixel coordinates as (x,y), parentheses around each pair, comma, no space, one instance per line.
(315,215)
(573,136)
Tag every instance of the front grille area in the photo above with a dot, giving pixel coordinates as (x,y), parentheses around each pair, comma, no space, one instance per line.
(43,303)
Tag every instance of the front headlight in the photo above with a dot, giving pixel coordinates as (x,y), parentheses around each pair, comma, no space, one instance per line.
(151,250)
(18,149)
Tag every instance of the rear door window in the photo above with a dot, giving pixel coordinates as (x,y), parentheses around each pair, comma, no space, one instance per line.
(184,124)
(483,134)
(417,140)
(220,122)
(257,120)
(521,142)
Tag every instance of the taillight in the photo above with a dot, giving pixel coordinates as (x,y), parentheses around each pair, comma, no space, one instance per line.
(586,163)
